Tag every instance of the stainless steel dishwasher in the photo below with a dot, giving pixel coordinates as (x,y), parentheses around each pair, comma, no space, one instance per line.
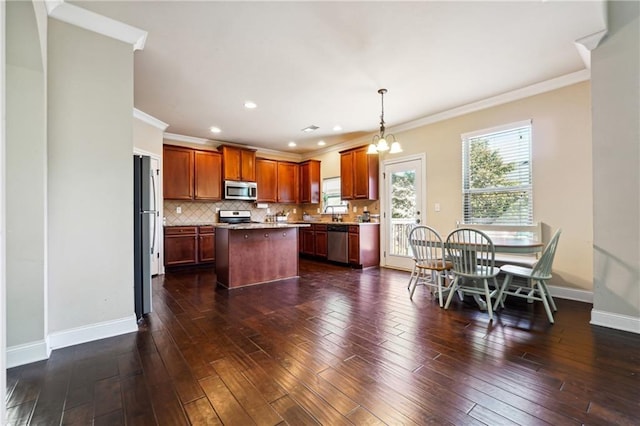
(338,243)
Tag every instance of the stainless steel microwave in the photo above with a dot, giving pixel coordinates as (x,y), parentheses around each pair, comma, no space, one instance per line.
(234,190)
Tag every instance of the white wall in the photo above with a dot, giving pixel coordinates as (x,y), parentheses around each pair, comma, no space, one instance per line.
(26,195)
(3,179)
(90,183)
(616,165)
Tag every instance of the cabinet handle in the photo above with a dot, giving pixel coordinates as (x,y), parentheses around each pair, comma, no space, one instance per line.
(246,237)
(266,235)
(284,234)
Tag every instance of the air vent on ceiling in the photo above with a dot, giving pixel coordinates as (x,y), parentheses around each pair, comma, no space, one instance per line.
(310,128)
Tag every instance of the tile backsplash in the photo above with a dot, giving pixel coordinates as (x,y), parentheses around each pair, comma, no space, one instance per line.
(202,213)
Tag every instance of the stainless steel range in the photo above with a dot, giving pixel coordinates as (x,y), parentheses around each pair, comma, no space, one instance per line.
(234,216)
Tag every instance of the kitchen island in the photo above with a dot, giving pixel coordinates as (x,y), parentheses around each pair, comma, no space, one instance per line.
(255,253)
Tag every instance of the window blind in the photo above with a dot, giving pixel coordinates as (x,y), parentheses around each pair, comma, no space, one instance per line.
(497,183)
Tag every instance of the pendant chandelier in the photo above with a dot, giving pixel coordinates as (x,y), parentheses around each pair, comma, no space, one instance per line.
(380,143)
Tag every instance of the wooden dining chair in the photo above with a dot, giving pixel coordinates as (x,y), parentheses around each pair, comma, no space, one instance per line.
(430,267)
(535,286)
(473,256)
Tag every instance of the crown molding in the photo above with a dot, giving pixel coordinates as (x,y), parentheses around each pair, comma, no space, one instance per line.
(586,44)
(187,139)
(514,95)
(92,21)
(143,116)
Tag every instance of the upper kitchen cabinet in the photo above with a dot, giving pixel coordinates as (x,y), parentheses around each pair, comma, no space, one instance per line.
(208,176)
(177,169)
(267,180)
(358,174)
(190,174)
(310,181)
(238,163)
(287,182)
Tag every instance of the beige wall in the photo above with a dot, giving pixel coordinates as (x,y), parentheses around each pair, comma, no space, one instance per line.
(561,171)
(616,165)
(90,178)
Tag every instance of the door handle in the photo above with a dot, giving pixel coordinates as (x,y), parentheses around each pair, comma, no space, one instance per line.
(417,220)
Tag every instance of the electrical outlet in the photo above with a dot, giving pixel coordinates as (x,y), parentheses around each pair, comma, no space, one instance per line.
(268,210)
(355,209)
(437,207)
(294,211)
(318,210)
(179,210)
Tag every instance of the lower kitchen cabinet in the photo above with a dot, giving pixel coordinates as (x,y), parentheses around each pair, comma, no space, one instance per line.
(206,244)
(313,241)
(320,240)
(188,245)
(364,245)
(307,241)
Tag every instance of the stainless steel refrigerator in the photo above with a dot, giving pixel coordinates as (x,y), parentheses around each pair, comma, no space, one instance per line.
(144,231)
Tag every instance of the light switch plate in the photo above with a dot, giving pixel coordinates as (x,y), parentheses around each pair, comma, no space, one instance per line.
(355,209)
(179,210)
(437,207)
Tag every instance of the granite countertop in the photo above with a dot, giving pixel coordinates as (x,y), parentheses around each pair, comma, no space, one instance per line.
(311,222)
(260,225)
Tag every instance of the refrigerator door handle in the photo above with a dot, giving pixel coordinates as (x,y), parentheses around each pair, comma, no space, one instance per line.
(155,212)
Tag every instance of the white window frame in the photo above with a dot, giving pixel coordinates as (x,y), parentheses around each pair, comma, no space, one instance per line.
(331,196)
(467,138)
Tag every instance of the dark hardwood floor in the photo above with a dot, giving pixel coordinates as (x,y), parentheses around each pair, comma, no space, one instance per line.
(336,346)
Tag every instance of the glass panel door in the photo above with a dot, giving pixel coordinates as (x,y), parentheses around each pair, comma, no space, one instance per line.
(403,209)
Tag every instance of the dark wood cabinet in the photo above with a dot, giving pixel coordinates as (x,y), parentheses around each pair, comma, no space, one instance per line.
(307,241)
(279,181)
(310,181)
(190,174)
(207,182)
(180,245)
(238,163)
(177,169)
(320,238)
(364,245)
(287,182)
(188,245)
(358,174)
(206,244)
(313,240)
(267,180)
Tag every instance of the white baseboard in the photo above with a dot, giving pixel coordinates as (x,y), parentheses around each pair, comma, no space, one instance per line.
(101,330)
(571,294)
(617,321)
(27,353)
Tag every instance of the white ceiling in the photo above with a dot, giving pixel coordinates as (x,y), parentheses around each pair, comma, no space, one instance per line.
(321,63)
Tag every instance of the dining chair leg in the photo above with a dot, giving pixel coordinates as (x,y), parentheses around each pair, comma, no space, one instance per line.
(549,297)
(453,291)
(411,277)
(501,296)
(487,296)
(545,302)
(416,280)
(439,278)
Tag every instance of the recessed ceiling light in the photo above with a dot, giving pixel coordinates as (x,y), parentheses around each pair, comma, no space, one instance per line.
(215,129)
(321,143)
(310,128)
(337,128)
(292,144)
(250,105)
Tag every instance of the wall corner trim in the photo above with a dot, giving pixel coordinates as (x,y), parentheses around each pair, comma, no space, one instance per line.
(92,21)
(91,332)
(616,321)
